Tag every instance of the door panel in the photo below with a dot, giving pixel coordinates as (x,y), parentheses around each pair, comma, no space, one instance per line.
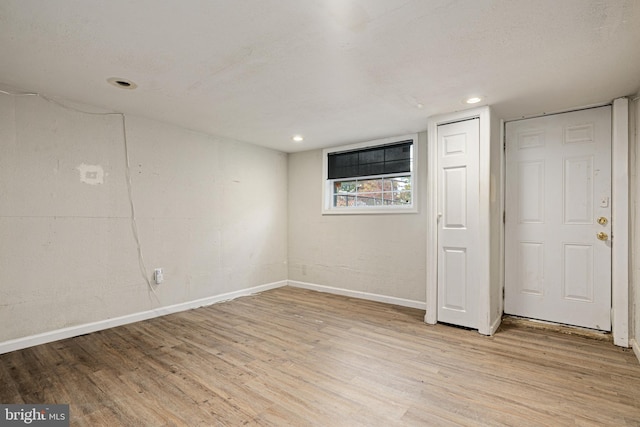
(455,197)
(578,190)
(530,264)
(531,187)
(577,281)
(558,183)
(458,207)
(455,279)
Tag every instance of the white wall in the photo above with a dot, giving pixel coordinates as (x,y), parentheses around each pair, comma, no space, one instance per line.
(211,212)
(375,254)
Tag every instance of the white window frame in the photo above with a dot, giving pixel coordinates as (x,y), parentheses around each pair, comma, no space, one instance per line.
(327,184)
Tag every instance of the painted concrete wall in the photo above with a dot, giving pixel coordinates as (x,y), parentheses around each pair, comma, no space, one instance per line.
(211,212)
(378,254)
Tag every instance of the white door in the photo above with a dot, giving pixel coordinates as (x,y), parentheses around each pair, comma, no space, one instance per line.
(558,208)
(458,222)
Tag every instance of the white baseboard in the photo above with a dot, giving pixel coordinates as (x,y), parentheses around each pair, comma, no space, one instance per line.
(495,325)
(636,348)
(359,294)
(428,319)
(74,331)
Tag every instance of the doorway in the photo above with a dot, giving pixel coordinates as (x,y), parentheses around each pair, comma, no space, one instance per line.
(458,146)
(464,296)
(558,222)
(490,278)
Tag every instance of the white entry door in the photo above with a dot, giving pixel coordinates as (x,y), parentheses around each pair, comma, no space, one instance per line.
(458,222)
(558,218)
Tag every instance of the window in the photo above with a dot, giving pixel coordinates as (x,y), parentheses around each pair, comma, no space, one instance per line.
(371,177)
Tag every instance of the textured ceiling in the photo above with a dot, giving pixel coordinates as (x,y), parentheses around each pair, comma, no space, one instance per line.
(335,71)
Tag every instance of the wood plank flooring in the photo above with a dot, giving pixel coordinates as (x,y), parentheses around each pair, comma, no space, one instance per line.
(296,357)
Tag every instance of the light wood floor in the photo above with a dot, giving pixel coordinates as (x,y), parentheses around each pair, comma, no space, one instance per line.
(296,357)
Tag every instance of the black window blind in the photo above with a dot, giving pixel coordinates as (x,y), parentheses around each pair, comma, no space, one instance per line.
(380,160)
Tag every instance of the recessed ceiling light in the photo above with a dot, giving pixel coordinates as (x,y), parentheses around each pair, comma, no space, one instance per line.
(419,106)
(473,100)
(297,138)
(122,83)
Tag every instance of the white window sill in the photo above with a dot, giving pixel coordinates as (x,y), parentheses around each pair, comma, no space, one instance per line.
(370,211)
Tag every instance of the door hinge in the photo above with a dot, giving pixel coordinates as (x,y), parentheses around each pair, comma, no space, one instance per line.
(504,146)
(504,217)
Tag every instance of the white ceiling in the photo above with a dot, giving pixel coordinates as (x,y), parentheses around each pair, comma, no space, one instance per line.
(335,71)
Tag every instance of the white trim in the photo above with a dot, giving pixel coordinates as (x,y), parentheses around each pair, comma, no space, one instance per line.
(620,222)
(431,315)
(495,325)
(503,207)
(74,331)
(550,113)
(327,208)
(619,219)
(484,301)
(359,294)
(484,275)
(636,348)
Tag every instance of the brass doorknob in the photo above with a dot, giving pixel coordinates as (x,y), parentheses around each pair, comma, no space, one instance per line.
(602,235)
(602,220)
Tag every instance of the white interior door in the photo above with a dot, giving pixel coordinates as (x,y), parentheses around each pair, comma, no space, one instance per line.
(558,185)
(458,222)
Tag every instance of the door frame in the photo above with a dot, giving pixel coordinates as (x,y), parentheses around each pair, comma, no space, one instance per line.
(619,214)
(483,277)
(620,221)
(620,217)
(556,221)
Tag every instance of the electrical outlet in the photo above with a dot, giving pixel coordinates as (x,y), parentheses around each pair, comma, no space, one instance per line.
(158,275)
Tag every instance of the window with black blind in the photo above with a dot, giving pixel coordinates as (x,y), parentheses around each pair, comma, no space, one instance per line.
(386,159)
(370,177)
